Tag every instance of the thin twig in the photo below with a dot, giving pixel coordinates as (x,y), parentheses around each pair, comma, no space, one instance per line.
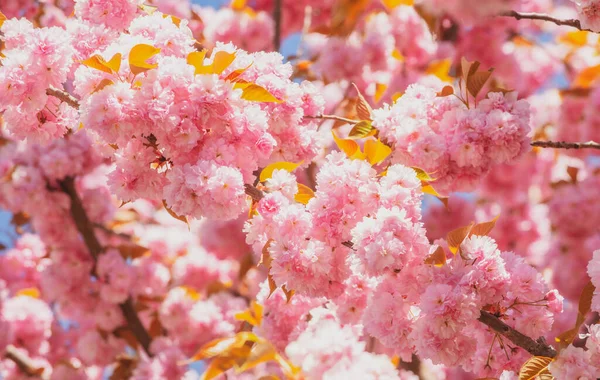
(566,145)
(25,363)
(63,96)
(574,23)
(534,347)
(277,18)
(334,117)
(86,229)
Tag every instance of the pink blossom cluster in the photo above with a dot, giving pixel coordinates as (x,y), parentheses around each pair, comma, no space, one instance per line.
(35,59)
(305,243)
(458,144)
(326,349)
(249,30)
(436,310)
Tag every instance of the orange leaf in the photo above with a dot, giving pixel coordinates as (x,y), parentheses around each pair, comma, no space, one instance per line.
(304,194)
(587,77)
(457,236)
(103,83)
(99,63)
(376,151)
(29,292)
(349,147)
(482,229)
(440,69)
(363,109)
(437,258)
(221,61)
(2,19)
(255,93)
(139,56)
(174,215)
(267,172)
(380,89)
(133,251)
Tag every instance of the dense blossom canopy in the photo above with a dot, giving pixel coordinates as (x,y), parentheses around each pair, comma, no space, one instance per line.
(413,193)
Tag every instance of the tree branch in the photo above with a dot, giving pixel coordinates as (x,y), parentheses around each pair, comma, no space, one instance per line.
(574,23)
(24,362)
(334,117)
(566,145)
(253,192)
(86,229)
(277,18)
(63,96)
(534,347)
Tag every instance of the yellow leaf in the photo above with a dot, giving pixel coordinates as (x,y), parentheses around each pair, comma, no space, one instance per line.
(482,229)
(261,352)
(398,55)
(395,360)
(255,93)
(221,61)
(304,194)
(289,370)
(138,57)
(2,18)
(363,109)
(221,346)
(103,83)
(380,89)
(238,5)
(456,237)
(440,69)
(267,172)
(362,129)
(217,367)
(437,258)
(257,309)
(376,151)
(29,292)
(196,59)
(253,315)
(428,189)
(99,63)
(587,77)
(576,38)
(535,367)
(174,215)
(148,9)
(391,4)
(349,147)
(397,96)
(422,174)
(191,292)
(176,20)
(246,316)
(234,75)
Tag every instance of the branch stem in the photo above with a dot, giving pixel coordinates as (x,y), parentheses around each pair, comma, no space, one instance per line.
(334,117)
(277,18)
(566,145)
(534,347)
(86,229)
(574,23)
(63,96)
(24,362)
